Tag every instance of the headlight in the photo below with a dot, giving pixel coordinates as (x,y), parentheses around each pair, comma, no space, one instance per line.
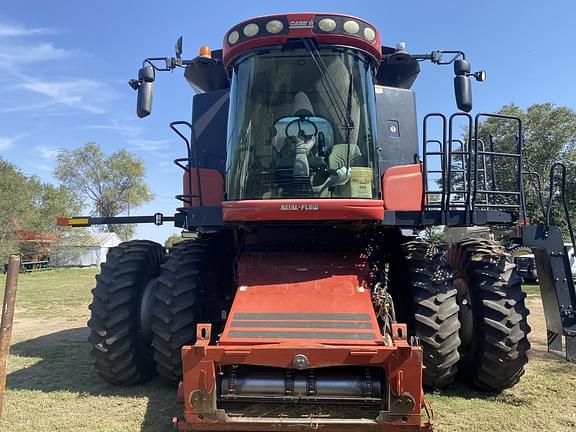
(233,37)
(274,26)
(250,30)
(327,24)
(351,27)
(369,34)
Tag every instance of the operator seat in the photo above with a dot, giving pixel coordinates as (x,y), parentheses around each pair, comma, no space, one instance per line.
(294,167)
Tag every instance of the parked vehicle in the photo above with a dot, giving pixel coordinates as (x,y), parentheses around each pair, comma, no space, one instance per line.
(526,267)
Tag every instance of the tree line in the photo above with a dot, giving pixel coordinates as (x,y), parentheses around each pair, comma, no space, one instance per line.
(89,182)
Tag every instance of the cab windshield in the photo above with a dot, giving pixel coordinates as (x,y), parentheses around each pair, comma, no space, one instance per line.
(301,126)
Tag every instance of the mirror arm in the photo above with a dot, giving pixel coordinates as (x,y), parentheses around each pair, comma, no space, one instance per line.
(170,63)
(436,57)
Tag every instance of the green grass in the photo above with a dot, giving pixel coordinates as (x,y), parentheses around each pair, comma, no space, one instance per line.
(531,289)
(52,386)
(544,400)
(56,293)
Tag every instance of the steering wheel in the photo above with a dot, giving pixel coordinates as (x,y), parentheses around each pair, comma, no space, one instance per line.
(300,120)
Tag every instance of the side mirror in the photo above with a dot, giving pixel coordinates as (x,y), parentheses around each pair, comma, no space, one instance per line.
(462,85)
(463,93)
(146,77)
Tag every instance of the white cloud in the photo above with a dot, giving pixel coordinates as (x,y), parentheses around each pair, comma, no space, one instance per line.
(82,94)
(148,144)
(29,107)
(46,152)
(6,143)
(133,136)
(123,128)
(11,56)
(15,30)
(17,55)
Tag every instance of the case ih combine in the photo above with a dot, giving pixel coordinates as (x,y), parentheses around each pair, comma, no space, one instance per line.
(305,300)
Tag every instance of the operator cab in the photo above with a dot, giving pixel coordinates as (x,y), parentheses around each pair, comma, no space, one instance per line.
(301,125)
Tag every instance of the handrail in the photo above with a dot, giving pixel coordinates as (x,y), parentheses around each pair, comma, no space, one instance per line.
(519,183)
(449,157)
(426,153)
(562,195)
(192,160)
(534,178)
(469,157)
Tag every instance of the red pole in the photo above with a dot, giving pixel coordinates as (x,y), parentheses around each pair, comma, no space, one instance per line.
(6,324)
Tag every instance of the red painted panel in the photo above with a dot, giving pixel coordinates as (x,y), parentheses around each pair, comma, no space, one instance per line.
(211,185)
(303,210)
(302,297)
(402,187)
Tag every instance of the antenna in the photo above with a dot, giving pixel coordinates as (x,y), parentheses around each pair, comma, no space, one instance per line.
(178,48)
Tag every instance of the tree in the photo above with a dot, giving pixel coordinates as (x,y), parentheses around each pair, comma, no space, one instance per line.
(15,199)
(172,240)
(27,204)
(434,234)
(549,136)
(113,184)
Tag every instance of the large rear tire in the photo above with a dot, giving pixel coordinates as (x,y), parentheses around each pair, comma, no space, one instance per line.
(494,356)
(430,309)
(121,351)
(180,297)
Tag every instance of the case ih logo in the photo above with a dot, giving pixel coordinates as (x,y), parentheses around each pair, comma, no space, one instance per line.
(302,24)
(299,207)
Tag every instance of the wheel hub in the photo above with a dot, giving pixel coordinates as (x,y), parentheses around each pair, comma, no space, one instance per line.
(146,311)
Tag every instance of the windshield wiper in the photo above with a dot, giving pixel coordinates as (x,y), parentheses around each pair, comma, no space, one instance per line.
(343,109)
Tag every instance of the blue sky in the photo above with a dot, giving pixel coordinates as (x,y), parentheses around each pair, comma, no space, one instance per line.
(64,67)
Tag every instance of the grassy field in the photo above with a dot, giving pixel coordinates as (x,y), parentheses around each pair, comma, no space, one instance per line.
(52,387)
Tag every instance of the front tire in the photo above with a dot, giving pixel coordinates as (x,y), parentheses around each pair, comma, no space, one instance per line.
(179,306)
(430,308)
(121,351)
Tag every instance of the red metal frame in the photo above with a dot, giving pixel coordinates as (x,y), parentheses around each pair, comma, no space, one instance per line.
(402,363)
(303,210)
(313,289)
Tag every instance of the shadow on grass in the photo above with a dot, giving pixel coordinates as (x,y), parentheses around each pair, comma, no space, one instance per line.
(460,390)
(66,365)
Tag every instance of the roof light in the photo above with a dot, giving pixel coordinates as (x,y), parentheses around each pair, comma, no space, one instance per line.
(351,27)
(250,30)
(274,26)
(233,37)
(327,24)
(205,51)
(369,34)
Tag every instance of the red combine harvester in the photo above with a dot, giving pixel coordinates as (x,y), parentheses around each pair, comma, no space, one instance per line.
(305,299)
